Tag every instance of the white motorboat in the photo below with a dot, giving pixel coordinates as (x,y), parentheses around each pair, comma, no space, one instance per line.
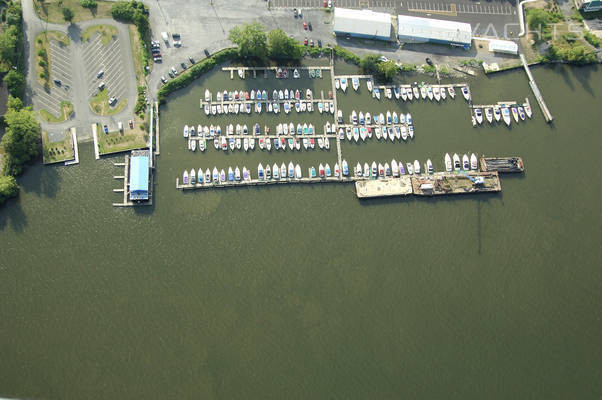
(185,178)
(521,113)
(506,115)
(192,177)
(410,168)
(260,172)
(497,114)
(356,83)
(388,93)
(376,93)
(396,92)
(344,84)
(275,171)
(282,171)
(369,84)
(185,131)
(429,166)
(358,170)
(437,93)
(448,163)
(337,83)
(456,159)
(202,145)
(478,115)
(465,162)
(528,110)
(416,167)
(429,92)
(403,94)
(489,115)
(466,93)
(452,92)
(443,93)
(193,145)
(267,172)
(473,162)
(394,168)
(514,113)
(417,92)
(366,170)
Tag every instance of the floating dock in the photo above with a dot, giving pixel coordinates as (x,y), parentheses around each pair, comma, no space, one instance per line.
(502,164)
(444,183)
(538,96)
(401,186)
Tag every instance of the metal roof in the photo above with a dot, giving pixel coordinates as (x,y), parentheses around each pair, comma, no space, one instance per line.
(425,29)
(362,22)
(503,46)
(139,174)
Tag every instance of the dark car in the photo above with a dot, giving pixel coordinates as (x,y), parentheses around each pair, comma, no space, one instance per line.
(57,82)
(106,129)
(429,61)
(310,27)
(191,60)
(295,12)
(319,43)
(183,64)
(207,53)
(171,75)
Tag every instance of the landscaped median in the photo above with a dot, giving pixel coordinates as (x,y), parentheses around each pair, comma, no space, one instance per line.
(100,104)
(55,152)
(42,54)
(107,33)
(66,110)
(124,140)
(52,10)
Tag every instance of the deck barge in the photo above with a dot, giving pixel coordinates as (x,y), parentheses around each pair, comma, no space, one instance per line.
(502,164)
(401,186)
(444,183)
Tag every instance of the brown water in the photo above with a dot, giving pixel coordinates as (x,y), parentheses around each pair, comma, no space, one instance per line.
(305,291)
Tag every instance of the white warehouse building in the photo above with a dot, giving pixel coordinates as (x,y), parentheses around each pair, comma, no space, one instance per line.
(421,30)
(365,24)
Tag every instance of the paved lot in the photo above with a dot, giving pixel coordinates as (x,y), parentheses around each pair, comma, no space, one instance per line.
(60,68)
(108,58)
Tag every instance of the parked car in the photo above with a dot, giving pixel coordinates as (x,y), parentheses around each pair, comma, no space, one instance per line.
(171,75)
(305,42)
(207,54)
(310,27)
(157,59)
(191,59)
(101,86)
(131,124)
(305,25)
(163,79)
(295,12)
(57,82)
(183,64)
(106,129)
(174,71)
(319,43)
(177,41)
(100,74)
(311,43)
(112,100)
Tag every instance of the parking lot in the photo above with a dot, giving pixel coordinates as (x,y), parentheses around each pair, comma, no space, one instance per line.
(60,68)
(107,58)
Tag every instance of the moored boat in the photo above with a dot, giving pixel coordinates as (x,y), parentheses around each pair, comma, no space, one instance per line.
(416,167)
(473,162)
(465,162)
(456,159)
(448,163)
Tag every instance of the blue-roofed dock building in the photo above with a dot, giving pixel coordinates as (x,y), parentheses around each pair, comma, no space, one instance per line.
(139,175)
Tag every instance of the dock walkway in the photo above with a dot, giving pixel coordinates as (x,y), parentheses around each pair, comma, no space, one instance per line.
(538,96)
(75,148)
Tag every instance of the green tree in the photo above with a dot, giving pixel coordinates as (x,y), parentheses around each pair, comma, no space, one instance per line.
(21,142)
(67,13)
(369,64)
(537,18)
(90,4)
(13,14)
(14,103)
(250,39)
(282,46)
(15,82)
(42,53)
(388,69)
(8,188)
(9,43)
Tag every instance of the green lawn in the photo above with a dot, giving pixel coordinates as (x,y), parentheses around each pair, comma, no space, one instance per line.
(57,151)
(107,33)
(100,104)
(50,10)
(121,141)
(66,110)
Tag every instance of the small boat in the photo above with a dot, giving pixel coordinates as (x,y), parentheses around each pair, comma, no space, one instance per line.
(394,168)
(308,94)
(326,106)
(396,92)
(253,94)
(296,73)
(465,162)
(466,93)
(343,84)
(207,95)
(381,170)
(410,168)
(361,118)
(411,131)
(327,143)
(387,169)
(307,106)
(376,93)
(246,144)
(230,174)
(312,73)
(443,93)
(514,113)
(452,92)
(395,118)
(353,118)
(473,162)
(429,92)
(385,133)
(241,73)
(287,107)
(185,177)
(320,107)
(478,115)
(369,84)
(355,82)
(456,159)
(381,119)
(489,115)
(207,109)
(285,94)
(261,143)
(320,143)
(368,118)
(528,110)
(374,170)
(264,95)
(222,176)
(356,134)
(404,133)
(291,170)
(358,169)
(237,174)
(337,171)
(215,175)
(285,73)
(423,92)
(363,133)
(437,93)
(246,174)
(260,172)
(521,113)
(506,115)
(268,144)
(497,113)
(321,171)
(328,170)
(185,131)
(388,93)
(275,171)
(340,116)
(429,166)
(366,170)
(389,119)
(268,172)
(298,173)
(238,143)
(207,176)
(378,133)
(402,171)
(337,83)
(404,94)
(398,132)
(193,145)
(416,92)
(282,171)
(202,145)
(448,163)
(312,172)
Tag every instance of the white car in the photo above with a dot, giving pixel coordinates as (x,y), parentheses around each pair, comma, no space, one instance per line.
(174,71)
(112,100)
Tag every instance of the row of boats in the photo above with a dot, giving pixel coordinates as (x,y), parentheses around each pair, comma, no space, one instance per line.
(293,171)
(380,119)
(417,91)
(498,113)
(240,95)
(282,73)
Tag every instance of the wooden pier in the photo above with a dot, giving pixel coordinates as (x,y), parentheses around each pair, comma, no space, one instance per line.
(538,96)
(445,183)
(254,70)
(401,186)
(502,164)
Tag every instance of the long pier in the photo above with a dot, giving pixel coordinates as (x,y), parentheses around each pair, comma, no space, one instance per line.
(336,109)
(439,183)
(266,69)
(538,96)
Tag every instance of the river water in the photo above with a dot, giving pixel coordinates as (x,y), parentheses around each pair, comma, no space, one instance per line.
(305,291)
